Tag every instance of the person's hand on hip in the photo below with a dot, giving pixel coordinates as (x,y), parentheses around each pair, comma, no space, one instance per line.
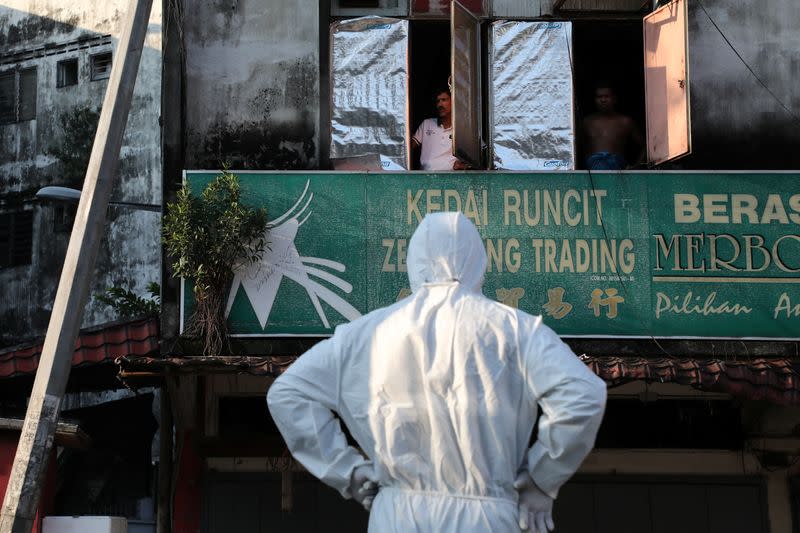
(362,487)
(535,507)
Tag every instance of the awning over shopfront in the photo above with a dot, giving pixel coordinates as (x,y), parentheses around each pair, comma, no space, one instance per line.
(773,380)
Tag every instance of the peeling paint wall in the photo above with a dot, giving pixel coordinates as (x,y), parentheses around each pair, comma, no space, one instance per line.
(41,34)
(736,122)
(252,83)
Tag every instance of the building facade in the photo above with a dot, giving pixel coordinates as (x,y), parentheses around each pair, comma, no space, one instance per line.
(55,63)
(56,60)
(267,106)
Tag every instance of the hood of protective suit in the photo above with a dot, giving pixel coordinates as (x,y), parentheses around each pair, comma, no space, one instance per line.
(446,247)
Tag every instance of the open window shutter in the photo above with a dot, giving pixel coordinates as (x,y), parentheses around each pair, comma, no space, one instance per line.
(466,84)
(666,63)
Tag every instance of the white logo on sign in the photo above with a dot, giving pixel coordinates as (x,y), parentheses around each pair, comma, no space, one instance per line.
(261,280)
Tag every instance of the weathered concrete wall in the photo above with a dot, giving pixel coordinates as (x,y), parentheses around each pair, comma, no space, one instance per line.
(252,83)
(50,151)
(25,25)
(736,122)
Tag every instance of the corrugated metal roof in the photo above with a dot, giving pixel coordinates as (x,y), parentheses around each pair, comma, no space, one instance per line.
(100,343)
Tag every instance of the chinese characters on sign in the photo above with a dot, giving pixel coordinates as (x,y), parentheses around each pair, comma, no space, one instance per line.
(611,300)
(556,307)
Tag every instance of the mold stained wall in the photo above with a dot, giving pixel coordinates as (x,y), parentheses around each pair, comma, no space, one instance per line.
(736,123)
(130,252)
(252,84)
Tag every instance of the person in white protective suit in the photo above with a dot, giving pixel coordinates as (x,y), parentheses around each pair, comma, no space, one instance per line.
(440,390)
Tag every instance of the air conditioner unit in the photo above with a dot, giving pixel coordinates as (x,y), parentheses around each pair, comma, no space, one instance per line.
(85,524)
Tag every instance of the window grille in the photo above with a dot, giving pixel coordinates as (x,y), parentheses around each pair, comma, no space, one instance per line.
(16,238)
(18,95)
(101,66)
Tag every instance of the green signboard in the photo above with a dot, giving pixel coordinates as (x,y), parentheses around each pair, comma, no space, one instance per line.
(603,254)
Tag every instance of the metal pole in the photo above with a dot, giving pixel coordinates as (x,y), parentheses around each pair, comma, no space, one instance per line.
(36,439)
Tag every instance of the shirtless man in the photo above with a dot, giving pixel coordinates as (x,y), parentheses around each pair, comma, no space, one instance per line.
(608,134)
(434,137)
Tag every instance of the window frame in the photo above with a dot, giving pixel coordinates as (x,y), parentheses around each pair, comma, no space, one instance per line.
(95,74)
(483,112)
(21,112)
(4,77)
(64,217)
(60,68)
(13,243)
(383,9)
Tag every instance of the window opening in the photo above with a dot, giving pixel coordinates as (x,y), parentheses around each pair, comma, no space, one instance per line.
(18,95)
(608,52)
(605,50)
(8,97)
(27,94)
(67,73)
(430,69)
(16,238)
(101,66)
(64,217)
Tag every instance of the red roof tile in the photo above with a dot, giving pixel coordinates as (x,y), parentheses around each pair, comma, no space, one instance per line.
(774,380)
(94,345)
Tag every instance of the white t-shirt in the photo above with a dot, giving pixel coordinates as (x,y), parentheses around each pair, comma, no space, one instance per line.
(437,145)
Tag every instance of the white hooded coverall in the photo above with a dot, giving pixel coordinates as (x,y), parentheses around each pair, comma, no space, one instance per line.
(440,390)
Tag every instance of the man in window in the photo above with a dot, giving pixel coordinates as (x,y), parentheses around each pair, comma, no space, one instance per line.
(434,137)
(608,135)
